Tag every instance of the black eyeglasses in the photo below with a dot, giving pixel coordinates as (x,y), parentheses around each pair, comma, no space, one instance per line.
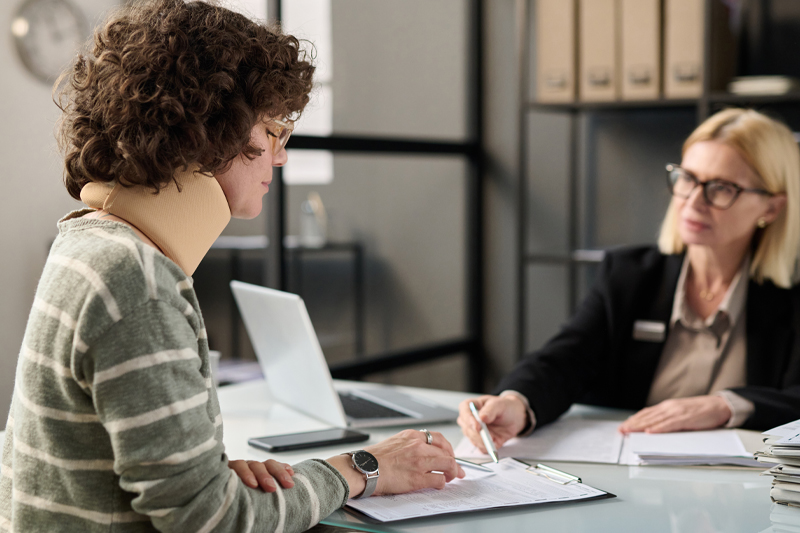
(717,193)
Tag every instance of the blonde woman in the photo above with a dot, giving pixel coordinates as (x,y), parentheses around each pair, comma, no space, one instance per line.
(700,332)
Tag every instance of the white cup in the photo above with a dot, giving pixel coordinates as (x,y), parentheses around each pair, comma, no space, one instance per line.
(213,361)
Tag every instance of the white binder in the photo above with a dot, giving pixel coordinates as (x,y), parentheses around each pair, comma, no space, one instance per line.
(598,50)
(555,50)
(641,49)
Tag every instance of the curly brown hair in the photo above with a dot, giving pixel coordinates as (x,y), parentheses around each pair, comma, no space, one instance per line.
(168,84)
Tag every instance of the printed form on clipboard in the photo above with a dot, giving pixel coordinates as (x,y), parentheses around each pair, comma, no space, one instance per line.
(511,483)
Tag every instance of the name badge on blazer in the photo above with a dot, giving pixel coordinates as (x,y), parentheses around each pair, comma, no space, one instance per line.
(649,331)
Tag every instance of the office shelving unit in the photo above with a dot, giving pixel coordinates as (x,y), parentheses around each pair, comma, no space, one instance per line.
(471,343)
(709,102)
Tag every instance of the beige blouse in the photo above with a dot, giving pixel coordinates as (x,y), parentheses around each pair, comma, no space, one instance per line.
(706,356)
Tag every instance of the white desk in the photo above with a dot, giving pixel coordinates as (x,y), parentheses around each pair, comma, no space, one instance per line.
(652,499)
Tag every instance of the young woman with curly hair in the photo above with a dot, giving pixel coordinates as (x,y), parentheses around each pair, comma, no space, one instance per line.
(171,126)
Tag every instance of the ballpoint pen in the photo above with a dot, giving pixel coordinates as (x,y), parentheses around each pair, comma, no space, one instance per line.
(569,477)
(470,464)
(485,436)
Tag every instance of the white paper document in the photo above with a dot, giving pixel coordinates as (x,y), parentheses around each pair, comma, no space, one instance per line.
(790,440)
(714,442)
(720,446)
(787,430)
(511,485)
(787,470)
(598,441)
(575,439)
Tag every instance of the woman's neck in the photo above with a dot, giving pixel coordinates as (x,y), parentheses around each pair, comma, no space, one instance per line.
(715,266)
(710,276)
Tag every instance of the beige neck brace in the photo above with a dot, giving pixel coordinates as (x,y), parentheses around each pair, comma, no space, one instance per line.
(183,224)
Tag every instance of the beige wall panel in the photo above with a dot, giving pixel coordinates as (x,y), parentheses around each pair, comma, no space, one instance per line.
(683,48)
(641,49)
(598,60)
(555,50)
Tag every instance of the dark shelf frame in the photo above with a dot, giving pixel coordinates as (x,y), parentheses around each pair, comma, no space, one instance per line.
(754,99)
(706,104)
(472,343)
(715,98)
(612,105)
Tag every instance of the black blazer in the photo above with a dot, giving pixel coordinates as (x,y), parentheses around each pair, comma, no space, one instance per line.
(594,358)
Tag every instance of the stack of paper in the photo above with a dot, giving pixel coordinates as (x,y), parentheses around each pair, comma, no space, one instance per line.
(686,448)
(782,453)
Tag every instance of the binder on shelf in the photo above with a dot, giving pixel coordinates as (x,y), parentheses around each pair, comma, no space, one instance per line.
(640,22)
(598,50)
(684,65)
(555,51)
(684,25)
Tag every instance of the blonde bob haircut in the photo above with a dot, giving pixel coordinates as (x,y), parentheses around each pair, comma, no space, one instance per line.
(770,149)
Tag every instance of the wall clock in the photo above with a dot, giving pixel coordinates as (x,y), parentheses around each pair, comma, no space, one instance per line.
(47,35)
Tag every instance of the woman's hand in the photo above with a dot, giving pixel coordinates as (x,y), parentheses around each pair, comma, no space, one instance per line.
(680,414)
(255,474)
(505,416)
(406,462)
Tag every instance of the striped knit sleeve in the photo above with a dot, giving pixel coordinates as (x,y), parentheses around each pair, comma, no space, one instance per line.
(6,476)
(153,401)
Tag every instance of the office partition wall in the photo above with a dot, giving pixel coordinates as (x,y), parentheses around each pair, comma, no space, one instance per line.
(400,150)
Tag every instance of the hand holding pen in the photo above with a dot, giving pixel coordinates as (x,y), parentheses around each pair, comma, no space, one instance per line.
(504,416)
(486,438)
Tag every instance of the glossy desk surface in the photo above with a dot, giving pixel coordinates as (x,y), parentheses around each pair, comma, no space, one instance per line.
(649,499)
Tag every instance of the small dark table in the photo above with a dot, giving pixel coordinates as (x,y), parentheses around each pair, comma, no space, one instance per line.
(294,252)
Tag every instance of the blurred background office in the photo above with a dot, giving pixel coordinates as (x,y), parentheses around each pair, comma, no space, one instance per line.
(451,187)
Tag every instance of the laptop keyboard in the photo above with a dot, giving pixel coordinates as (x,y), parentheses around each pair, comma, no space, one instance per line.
(357,407)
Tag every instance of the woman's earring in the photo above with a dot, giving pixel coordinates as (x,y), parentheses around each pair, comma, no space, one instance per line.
(761,223)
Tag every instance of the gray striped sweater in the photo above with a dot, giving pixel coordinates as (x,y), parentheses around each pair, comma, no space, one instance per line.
(114,423)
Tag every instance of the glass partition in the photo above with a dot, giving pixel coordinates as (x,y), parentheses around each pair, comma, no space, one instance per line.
(386,69)
(404,218)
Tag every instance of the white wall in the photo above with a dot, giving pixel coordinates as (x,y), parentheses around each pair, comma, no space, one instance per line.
(33,193)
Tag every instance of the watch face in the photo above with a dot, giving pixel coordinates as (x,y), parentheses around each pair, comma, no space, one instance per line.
(365,461)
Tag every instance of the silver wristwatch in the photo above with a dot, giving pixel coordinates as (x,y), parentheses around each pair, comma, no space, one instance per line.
(367,464)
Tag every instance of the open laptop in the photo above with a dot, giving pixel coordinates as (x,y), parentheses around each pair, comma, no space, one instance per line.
(297,373)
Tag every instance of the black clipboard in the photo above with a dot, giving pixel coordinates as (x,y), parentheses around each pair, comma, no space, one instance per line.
(367,519)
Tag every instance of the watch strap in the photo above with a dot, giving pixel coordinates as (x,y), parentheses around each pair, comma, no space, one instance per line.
(372,484)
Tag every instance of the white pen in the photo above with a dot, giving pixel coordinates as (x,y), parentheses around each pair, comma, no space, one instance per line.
(485,436)
(470,464)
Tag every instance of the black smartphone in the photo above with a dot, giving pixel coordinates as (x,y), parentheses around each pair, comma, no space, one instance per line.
(309,439)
